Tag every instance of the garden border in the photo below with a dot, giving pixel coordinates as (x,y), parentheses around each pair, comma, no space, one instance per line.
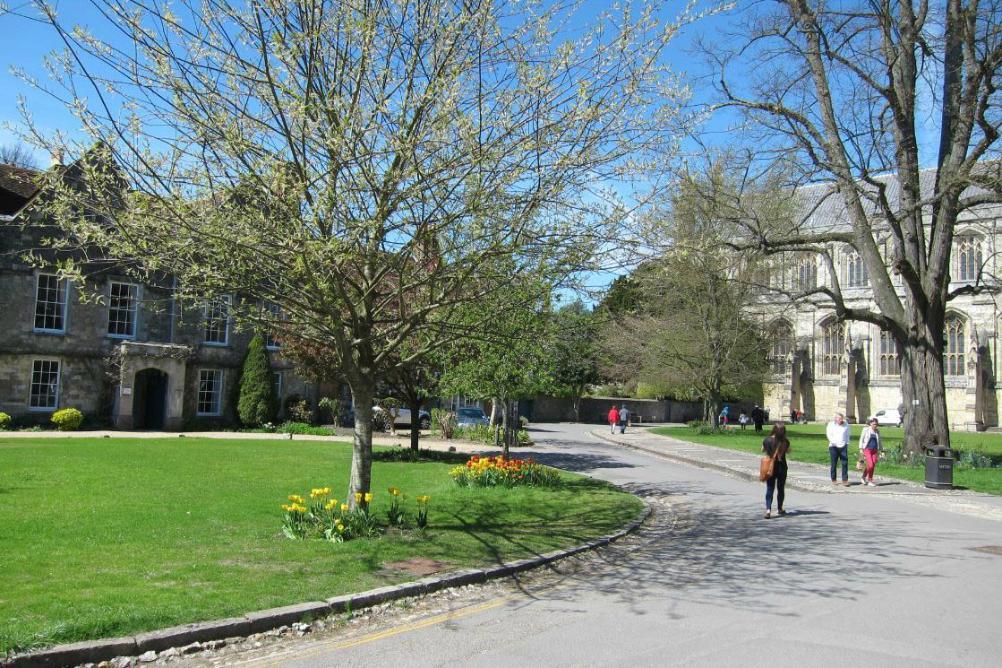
(93,651)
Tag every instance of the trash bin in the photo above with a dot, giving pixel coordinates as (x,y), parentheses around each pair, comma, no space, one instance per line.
(939,467)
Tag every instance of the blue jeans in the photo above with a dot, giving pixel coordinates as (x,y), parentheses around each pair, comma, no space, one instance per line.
(777,484)
(836,454)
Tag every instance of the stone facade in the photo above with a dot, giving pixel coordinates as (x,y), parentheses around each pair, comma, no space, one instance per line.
(126,355)
(821,366)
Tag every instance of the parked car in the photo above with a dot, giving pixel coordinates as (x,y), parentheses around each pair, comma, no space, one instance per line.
(467,417)
(889,417)
(403,418)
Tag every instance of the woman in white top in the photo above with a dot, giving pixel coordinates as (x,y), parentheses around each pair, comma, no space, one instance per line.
(870,446)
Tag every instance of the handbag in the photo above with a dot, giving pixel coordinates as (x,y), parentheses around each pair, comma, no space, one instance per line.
(766,468)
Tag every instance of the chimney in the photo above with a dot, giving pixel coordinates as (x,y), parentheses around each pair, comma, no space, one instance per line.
(57,158)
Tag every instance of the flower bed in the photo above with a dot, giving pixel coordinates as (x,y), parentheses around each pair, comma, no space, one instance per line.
(501,472)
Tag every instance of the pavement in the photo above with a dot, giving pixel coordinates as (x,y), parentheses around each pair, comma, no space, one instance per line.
(803,476)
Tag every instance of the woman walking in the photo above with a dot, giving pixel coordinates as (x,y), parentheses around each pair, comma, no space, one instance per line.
(775,446)
(870,446)
(613,418)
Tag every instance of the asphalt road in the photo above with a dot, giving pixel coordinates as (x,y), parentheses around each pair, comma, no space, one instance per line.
(843,579)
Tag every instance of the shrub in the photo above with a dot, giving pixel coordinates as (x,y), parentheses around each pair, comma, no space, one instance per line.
(304,428)
(4,421)
(67,419)
(695,424)
(297,409)
(381,421)
(257,404)
(501,472)
(445,421)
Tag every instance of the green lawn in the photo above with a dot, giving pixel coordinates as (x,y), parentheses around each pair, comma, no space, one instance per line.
(809,444)
(103,537)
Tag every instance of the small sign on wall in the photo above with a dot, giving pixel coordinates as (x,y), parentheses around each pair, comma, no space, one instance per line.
(126,390)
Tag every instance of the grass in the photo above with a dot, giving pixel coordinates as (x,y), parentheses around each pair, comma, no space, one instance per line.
(105,537)
(809,444)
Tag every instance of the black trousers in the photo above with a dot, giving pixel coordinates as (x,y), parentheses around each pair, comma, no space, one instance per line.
(777,484)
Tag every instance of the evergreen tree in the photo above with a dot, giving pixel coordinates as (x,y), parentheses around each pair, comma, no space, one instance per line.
(257,403)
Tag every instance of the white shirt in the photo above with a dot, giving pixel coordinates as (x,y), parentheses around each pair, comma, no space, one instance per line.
(838,434)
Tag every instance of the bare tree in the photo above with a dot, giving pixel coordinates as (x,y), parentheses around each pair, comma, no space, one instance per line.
(840,90)
(18,155)
(369,167)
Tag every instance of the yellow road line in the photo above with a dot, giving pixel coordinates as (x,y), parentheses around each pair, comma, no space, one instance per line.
(388,633)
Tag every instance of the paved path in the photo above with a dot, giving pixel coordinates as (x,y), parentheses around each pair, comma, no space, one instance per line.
(845,579)
(804,476)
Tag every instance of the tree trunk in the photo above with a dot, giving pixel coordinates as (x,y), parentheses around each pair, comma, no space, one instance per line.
(713,404)
(923,388)
(577,407)
(363,391)
(415,407)
(505,427)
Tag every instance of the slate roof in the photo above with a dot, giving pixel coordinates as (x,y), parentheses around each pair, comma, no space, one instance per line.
(17,186)
(822,209)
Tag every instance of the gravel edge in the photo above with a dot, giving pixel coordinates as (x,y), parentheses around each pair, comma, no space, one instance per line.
(94,651)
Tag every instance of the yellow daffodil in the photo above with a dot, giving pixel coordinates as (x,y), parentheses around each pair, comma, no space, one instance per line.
(368,497)
(394,491)
(423,499)
(358,497)
(344,507)
(340,527)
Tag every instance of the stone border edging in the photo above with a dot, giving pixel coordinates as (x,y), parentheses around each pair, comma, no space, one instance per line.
(94,651)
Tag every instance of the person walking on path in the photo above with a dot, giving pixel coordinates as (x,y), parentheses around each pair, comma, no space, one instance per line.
(613,418)
(758,417)
(776,445)
(725,415)
(624,419)
(870,445)
(838,446)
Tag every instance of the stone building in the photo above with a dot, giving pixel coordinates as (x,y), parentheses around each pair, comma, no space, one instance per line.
(126,354)
(821,366)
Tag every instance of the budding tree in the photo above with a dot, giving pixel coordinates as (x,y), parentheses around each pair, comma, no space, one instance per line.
(368,167)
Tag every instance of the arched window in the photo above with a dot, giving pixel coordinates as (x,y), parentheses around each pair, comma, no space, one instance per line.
(890,355)
(969,258)
(856,275)
(832,347)
(953,347)
(807,273)
(782,342)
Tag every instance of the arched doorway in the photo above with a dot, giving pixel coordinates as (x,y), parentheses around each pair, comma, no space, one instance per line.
(149,402)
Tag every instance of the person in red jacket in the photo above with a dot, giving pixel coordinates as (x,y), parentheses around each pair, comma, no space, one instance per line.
(613,418)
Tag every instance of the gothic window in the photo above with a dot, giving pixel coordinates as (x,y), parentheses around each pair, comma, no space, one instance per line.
(969,258)
(807,273)
(890,355)
(832,348)
(782,343)
(856,275)
(953,347)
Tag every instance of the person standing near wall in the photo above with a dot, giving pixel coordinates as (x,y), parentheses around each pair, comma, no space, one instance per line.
(838,446)
(613,418)
(758,417)
(624,419)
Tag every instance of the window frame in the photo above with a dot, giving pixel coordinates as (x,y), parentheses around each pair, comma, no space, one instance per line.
(275,311)
(831,354)
(970,255)
(59,385)
(227,300)
(134,310)
(782,344)
(218,409)
(889,355)
(856,274)
(278,384)
(64,305)
(955,359)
